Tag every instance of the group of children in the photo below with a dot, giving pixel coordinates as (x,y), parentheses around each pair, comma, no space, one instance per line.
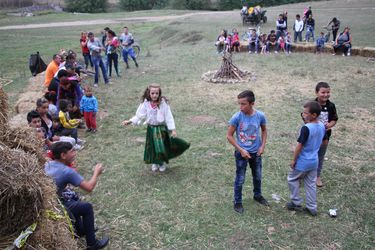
(53,124)
(249,125)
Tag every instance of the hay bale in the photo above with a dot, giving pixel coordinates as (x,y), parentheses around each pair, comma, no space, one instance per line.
(26,194)
(368,52)
(3,109)
(21,182)
(18,120)
(27,102)
(25,139)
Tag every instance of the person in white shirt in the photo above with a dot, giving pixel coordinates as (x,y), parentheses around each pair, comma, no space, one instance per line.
(298,28)
(156,113)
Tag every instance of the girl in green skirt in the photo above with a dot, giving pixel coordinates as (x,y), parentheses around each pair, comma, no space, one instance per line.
(156,113)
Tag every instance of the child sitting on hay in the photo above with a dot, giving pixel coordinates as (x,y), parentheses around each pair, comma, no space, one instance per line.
(160,146)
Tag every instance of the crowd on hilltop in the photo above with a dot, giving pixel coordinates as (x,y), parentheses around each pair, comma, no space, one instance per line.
(281,39)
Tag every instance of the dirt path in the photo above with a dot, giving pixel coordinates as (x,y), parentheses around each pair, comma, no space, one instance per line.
(108,21)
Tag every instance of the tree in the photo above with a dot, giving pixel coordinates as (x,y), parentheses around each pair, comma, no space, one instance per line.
(87,6)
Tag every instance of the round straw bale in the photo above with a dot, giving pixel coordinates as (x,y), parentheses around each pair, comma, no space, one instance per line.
(21,182)
(23,138)
(3,109)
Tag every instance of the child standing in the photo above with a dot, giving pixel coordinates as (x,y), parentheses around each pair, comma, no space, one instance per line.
(320,43)
(305,159)
(249,146)
(89,108)
(329,118)
(160,147)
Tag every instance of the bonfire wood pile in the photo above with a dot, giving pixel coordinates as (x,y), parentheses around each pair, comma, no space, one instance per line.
(228,69)
(27,195)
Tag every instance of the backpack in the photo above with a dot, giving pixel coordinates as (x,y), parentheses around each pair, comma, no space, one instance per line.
(36,64)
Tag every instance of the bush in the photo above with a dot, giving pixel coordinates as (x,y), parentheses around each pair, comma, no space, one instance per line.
(87,6)
(229,4)
(190,4)
(132,5)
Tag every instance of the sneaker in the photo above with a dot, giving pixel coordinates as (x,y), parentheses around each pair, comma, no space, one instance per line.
(250,52)
(127,66)
(310,212)
(343,54)
(348,54)
(319,182)
(163,167)
(261,200)
(80,142)
(136,65)
(88,130)
(109,83)
(238,208)
(99,244)
(95,85)
(276,52)
(93,131)
(291,206)
(333,54)
(154,167)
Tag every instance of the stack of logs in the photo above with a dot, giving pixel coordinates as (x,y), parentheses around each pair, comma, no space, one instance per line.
(228,70)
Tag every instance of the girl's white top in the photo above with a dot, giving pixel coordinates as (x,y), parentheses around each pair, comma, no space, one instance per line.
(154,116)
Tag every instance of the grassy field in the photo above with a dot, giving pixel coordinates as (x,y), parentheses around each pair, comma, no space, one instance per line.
(190,206)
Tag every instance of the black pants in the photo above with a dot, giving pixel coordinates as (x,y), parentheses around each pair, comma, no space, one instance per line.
(84,219)
(112,58)
(334,33)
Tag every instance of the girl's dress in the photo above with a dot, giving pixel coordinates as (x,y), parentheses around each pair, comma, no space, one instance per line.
(160,147)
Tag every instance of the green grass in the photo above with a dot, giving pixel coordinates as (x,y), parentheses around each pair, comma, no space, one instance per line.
(190,206)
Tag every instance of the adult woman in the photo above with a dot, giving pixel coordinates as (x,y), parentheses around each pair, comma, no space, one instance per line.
(112,44)
(343,42)
(85,50)
(42,109)
(70,90)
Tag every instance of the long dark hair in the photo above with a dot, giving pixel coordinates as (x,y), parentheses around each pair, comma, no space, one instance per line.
(146,93)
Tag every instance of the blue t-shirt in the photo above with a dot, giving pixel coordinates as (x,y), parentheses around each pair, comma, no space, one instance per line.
(62,175)
(247,129)
(311,137)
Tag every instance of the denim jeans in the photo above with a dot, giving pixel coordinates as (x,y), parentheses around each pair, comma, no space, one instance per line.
(98,62)
(268,45)
(87,58)
(83,214)
(126,52)
(255,163)
(321,153)
(297,35)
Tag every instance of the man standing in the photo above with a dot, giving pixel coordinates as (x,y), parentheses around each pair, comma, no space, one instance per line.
(58,169)
(96,48)
(52,68)
(310,27)
(127,40)
(298,28)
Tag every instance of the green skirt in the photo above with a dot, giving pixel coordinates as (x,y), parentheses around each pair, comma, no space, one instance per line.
(160,147)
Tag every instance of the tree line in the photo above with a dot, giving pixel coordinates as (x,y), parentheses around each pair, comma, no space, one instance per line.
(93,6)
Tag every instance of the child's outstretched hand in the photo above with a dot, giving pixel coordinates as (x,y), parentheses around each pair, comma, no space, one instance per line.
(126,122)
(98,169)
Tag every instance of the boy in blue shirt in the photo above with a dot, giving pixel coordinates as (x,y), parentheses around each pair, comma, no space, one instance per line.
(249,146)
(305,159)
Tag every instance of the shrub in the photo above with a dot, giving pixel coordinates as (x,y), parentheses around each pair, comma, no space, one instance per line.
(88,6)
